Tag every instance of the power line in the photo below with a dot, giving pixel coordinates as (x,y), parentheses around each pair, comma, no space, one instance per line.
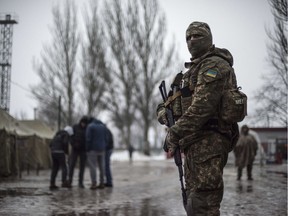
(20,86)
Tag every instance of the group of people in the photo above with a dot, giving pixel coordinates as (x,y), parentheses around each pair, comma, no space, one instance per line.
(91,141)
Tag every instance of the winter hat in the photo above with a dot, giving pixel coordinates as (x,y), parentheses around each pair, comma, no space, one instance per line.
(69,130)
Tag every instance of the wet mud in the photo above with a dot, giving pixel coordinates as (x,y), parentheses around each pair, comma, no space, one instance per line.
(143,189)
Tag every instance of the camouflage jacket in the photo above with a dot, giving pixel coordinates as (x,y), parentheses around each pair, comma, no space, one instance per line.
(206,77)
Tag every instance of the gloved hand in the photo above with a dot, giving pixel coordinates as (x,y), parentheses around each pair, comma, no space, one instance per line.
(161,114)
(172,141)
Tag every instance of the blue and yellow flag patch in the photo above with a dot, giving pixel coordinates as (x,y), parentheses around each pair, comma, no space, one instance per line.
(212,73)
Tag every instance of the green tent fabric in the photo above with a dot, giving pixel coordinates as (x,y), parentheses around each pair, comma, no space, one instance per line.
(23,144)
(8,153)
(40,128)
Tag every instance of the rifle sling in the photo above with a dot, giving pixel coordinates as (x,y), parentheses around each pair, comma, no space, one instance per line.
(172,98)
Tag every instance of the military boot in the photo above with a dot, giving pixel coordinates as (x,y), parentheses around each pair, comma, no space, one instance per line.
(239,174)
(249,172)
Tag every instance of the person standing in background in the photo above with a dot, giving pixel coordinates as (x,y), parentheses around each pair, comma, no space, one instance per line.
(108,153)
(130,151)
(59,150)
(245,152)
(78,145)
(95,147)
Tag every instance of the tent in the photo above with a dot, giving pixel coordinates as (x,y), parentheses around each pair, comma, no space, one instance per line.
(23,144)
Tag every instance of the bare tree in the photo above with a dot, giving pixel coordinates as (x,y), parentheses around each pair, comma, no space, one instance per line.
(46,95)
(148,28)
(57,67)
(119,100)
(135,33)
(272,96)
(95,77)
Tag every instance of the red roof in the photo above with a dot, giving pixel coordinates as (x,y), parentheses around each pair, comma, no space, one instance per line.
(274,129)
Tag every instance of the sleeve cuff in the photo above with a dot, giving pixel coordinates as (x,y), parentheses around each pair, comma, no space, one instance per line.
(176,130)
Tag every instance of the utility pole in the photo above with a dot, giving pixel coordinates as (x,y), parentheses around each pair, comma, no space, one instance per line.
(6,32)
(35,113)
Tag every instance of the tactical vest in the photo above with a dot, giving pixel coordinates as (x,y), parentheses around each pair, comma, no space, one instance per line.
(182,89)
(188,85)
(233,105)
(226,116)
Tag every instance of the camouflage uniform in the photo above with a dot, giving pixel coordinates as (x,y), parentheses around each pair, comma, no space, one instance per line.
(203,137)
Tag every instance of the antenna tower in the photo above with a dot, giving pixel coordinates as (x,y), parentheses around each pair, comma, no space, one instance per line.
(6,32)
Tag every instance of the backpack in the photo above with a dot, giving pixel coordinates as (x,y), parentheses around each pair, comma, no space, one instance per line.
(233,107)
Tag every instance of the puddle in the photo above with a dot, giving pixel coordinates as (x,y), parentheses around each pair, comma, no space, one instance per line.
(284,174)
(14,192)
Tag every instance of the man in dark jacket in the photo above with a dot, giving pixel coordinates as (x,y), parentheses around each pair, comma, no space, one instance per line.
(95,147)
(78,150)
(59,152)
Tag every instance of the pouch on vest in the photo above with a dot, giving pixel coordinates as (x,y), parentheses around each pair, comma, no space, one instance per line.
(174,97)
(233,105)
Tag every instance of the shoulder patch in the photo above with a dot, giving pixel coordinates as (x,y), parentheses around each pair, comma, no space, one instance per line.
(211,73)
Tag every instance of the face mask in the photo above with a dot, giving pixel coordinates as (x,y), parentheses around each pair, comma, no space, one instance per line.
(198,38)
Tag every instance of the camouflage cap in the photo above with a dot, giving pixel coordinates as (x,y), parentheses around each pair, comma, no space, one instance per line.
(200,28)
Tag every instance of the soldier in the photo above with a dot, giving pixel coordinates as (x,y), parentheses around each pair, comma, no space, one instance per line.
(204,138)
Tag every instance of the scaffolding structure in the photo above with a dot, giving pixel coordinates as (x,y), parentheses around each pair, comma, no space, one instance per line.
(6,32)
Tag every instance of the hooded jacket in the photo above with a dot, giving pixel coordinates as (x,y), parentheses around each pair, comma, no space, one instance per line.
(60,142)
(78,139)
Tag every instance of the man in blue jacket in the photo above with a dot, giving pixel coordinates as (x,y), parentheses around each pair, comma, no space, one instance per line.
(95,147)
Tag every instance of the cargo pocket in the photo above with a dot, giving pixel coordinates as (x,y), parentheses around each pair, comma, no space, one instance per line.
(207,172)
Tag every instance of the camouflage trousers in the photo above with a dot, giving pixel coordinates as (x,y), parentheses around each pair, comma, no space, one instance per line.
(205,203)
(204,163)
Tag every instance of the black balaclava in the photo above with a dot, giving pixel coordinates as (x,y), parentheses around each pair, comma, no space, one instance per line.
(198,38)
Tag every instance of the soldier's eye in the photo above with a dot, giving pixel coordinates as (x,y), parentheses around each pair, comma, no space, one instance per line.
(196,36)
(193,36)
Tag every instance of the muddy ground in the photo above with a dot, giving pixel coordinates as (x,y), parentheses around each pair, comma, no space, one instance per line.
(143,189)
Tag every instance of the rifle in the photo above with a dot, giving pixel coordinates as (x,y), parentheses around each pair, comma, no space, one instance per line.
(177,153)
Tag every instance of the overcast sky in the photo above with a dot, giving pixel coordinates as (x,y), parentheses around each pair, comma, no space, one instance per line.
(238,26)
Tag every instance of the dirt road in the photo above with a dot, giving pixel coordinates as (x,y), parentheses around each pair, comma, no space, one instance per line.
(143,189)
